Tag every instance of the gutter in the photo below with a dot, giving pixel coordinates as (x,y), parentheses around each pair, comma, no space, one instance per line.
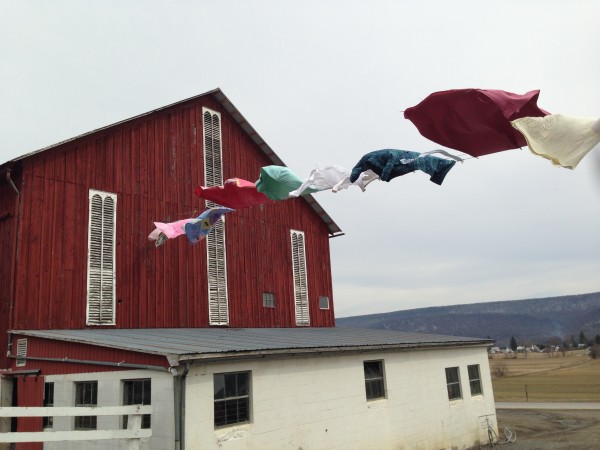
(121,364)
(291,352)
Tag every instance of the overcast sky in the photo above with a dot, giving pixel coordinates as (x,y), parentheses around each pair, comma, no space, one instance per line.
(326,82)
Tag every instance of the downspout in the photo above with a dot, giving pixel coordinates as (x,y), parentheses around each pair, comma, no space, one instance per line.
(179,399)
(7,172)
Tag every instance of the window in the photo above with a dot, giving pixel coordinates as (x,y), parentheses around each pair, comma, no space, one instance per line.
(299,274)
(374,383)
(21,352)
(218,309)
(86,394)
(453,383)
(268,300)
(232,398)
(101,259)
(323,302)
(475,379)
(48,422)
(137,392)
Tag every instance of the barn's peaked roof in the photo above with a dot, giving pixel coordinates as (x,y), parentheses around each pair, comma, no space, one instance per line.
(240,120)
(215,343)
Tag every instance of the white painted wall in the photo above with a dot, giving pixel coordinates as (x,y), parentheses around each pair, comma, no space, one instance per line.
(110,393)
(319,402)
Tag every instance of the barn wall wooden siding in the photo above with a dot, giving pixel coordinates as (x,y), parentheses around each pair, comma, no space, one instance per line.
(65,351)
(8,227)
(153,164)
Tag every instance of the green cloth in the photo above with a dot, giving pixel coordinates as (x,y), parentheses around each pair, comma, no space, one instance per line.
(276,182)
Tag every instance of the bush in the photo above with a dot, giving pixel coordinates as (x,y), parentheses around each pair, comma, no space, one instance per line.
(501,371)
(595,351)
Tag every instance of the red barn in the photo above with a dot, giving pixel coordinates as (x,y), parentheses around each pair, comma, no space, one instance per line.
(135,172)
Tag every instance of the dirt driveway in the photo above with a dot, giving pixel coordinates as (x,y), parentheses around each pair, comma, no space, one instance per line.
(551,429)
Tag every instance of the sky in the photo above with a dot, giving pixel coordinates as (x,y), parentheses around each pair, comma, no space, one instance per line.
(324,82)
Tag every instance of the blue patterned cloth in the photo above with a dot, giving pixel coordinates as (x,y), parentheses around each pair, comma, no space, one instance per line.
(198,228)
(389,164)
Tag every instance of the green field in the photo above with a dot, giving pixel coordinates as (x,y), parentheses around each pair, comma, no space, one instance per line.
(569,378)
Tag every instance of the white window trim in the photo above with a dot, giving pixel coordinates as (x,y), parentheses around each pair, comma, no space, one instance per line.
(216,253)
(301,303)
(218,297)
(210,177)
(107,276)
(21,352)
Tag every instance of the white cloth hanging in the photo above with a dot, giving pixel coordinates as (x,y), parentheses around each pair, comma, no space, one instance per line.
(562,139)
(333,177)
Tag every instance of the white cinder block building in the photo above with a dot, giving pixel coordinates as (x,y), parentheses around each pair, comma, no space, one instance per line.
(314,388)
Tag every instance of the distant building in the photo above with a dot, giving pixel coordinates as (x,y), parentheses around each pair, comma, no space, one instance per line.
(232,341)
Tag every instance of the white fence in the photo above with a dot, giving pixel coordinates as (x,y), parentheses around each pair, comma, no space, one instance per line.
(134,431)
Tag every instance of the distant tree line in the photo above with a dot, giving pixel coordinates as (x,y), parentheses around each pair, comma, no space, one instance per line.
(568,343)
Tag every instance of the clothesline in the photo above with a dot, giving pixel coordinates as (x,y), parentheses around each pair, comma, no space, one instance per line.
(498,121)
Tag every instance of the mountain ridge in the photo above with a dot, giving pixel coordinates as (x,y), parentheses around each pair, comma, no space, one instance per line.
(537,320)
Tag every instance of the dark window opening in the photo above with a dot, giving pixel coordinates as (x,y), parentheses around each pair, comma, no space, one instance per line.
(138,392)
(232,398)
(86,394)
(48,422)
(475,379)
(453,383)
(374,382)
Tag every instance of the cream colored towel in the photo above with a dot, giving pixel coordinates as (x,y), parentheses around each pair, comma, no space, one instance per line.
(562,139)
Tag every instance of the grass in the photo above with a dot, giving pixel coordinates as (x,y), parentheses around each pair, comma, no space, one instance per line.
(539,378)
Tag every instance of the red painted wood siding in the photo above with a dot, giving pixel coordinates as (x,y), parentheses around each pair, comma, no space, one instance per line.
(30,392)
(153,164)
(48,348)
(8,227)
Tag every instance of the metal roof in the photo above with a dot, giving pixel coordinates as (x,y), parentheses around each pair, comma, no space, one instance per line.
(206,343)
(241,121)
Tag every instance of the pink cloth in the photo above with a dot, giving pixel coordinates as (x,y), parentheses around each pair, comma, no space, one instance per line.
(236,193)
(170,230)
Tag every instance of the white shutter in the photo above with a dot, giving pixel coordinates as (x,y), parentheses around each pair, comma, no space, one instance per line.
(218,307)
(21,352)
(101,291)
(300,283)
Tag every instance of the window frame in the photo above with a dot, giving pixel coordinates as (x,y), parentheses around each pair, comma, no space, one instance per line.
(21,360)
(238,399)
(379,381)
(85,422)
(324,302)
(475,382)
(300,278)
(268,299)
(101,259)
(453,384)
(216,254)
(146,383)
